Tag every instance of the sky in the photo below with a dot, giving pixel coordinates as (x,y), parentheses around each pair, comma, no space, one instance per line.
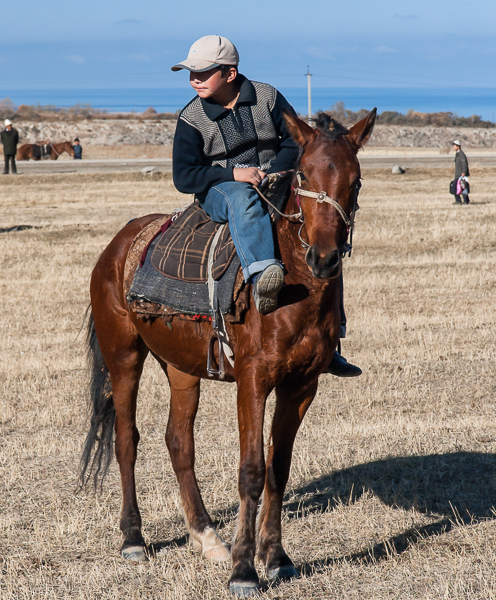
(356,43)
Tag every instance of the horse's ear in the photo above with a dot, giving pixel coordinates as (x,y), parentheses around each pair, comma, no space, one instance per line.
(361,131)
(299,130)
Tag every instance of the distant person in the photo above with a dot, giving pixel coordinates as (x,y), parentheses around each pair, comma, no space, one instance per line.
(461,170)
(78,150)
(227,139)
(10,139)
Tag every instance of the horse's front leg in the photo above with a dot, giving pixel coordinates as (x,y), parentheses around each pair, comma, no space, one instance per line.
(292,403)
(185,394)
(252,394)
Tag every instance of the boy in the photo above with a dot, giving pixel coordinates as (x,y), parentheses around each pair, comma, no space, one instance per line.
(227,139)
(78,150)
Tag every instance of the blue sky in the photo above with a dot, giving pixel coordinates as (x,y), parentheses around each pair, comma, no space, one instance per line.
(362,43)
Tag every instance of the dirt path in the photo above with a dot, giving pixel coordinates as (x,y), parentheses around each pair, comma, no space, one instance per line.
(433,161)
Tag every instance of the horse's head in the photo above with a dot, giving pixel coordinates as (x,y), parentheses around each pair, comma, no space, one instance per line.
(69,148)
(326,187)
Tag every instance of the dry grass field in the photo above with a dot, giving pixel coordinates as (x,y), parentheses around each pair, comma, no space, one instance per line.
(393,481)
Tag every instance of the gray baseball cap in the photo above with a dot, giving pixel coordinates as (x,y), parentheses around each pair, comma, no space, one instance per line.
(209,52)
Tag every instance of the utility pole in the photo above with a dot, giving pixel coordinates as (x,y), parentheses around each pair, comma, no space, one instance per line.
(309,94)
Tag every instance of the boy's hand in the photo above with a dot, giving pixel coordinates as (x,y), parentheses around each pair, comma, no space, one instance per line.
(249,175)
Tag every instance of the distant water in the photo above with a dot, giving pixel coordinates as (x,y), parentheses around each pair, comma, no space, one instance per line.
(464,102)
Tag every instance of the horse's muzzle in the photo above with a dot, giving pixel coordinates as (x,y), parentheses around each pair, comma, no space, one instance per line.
(323,266)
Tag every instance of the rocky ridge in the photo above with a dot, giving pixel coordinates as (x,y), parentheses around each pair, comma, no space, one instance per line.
(161,132)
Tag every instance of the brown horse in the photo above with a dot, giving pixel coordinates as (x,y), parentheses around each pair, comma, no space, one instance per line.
(285,350)
(35,151)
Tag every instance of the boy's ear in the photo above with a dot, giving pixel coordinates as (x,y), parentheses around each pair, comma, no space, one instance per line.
(232,74)
(299,130)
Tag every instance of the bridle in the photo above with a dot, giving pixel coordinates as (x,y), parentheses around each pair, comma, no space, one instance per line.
(320,197)
(324,197)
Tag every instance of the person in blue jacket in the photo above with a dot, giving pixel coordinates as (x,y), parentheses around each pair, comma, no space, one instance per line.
(78,150)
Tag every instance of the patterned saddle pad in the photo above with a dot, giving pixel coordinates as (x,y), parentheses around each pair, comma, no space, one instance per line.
(150,292)
(183,249)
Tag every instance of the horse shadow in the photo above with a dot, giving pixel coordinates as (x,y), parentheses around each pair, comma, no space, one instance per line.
(454,488)
(457,488)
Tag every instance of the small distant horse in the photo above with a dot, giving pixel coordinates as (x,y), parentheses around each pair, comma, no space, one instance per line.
(285,350)
(37,151)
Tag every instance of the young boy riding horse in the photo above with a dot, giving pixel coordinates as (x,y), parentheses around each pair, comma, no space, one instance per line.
(228,138)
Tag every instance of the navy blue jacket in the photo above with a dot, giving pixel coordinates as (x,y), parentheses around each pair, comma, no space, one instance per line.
(211,140)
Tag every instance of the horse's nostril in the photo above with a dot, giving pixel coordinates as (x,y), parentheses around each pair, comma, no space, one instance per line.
(322,265)
(333,259)
(311,257)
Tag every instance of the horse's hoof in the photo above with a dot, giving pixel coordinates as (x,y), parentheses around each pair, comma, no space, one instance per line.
(244,589)
(210,544)
(134,554)
(282,573)
(218,553)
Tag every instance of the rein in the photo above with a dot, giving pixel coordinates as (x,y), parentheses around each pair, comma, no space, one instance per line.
(320,197)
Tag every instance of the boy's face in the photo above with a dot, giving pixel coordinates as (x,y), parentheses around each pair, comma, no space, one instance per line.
(211,83)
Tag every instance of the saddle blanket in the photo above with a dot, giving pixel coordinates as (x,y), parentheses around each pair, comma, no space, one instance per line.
(147,287)
(42,151)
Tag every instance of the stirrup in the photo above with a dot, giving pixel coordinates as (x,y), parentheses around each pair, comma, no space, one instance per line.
(211,370)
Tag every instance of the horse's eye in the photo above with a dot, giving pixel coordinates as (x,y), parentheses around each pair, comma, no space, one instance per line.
(358,186)
(302,176)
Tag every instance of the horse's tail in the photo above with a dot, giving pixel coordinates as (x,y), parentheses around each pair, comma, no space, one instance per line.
(97,453)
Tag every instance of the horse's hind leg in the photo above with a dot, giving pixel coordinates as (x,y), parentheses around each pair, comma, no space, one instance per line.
(291,406)
(185,395)
(124,354)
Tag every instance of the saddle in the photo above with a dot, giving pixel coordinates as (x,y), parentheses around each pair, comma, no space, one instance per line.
(166,272)
(42,150)
(182,251)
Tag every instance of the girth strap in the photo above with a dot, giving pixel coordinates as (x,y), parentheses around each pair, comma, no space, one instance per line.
(218,323)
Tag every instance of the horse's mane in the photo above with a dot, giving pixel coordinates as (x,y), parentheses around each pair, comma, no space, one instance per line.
(329,126)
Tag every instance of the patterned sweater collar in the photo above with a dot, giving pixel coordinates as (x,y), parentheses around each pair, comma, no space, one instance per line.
(247,95)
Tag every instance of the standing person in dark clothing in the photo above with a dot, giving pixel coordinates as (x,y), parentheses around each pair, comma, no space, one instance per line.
(10,139)
(461,170)
(78,150)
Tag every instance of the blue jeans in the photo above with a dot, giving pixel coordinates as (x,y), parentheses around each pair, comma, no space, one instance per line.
(238,204)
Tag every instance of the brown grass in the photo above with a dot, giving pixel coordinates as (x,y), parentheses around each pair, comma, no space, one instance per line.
(393,478)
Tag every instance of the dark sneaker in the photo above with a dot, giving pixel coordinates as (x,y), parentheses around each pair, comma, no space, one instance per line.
(266,287)
(340,367)
(457,202)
